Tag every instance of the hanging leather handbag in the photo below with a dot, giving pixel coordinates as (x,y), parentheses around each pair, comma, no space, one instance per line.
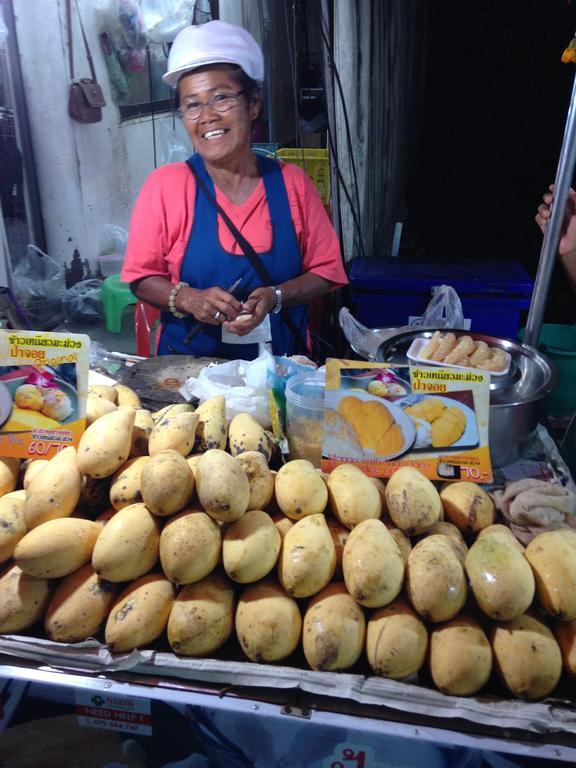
(85,100)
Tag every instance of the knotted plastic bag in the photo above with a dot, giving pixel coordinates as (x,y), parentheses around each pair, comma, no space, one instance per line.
(40,286)
(443,311)
(243,384)
(83,301)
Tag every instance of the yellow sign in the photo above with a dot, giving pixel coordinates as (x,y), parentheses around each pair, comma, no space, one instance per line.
(43,387)
(383,417)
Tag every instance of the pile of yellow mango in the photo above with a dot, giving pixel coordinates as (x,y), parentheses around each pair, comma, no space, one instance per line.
(172,527)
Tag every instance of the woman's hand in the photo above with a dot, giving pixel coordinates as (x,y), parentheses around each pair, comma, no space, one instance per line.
(259,304)
(567,242)
(211,306)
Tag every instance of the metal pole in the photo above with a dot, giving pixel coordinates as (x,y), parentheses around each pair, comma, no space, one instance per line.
(553,229)
(331,114)
(33,204)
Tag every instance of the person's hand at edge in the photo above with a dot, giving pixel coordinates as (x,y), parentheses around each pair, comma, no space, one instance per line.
(567,242)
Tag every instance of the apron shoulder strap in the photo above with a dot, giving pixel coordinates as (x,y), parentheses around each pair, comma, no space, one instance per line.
(257,264)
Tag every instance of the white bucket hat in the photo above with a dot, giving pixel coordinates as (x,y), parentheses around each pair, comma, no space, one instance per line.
(216,42)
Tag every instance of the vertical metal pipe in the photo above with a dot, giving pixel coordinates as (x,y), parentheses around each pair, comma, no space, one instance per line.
(33,205)
(331,114)
(564,175)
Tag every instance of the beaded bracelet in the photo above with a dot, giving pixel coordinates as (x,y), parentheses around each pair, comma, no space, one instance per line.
(172,300)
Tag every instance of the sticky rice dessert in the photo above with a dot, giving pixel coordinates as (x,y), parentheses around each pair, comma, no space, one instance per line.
(423,433)
(340,437)
(56,404)
(28,396)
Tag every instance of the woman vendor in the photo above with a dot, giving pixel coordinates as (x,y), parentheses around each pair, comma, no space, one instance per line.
(183,255)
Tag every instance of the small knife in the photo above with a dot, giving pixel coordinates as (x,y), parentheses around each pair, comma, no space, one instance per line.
(195,330)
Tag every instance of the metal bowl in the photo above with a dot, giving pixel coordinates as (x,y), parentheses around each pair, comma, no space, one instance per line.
(515,399)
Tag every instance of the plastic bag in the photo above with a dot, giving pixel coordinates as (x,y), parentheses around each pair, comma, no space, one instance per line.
(123,23)
(40,286)
(172,148)
(364,341)
(112,240)
(83,301)
(242,382)
(165,18)
(111,250)
(132,22)
(443,311)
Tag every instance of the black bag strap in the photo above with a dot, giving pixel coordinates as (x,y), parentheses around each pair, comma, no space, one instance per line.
(70,48)
(256,262)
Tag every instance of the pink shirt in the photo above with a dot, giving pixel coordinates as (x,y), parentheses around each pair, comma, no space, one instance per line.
(164,211)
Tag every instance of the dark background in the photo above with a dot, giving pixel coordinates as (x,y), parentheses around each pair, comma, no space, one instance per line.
(495,108)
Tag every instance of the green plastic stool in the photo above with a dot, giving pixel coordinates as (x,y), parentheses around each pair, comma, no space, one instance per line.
(116,295)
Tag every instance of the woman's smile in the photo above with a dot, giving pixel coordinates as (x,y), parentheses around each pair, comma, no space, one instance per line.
(217,136)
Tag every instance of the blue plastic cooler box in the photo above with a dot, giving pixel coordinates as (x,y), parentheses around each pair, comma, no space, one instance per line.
(494,293)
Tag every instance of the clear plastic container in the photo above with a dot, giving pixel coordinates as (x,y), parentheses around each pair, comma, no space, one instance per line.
(305,415)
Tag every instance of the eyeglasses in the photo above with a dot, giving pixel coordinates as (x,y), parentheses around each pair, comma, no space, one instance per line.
(192,110)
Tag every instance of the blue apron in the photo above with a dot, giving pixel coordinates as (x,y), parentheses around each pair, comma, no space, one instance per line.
(206,264)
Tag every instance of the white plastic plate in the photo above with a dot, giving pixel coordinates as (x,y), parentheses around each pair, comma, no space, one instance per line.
(418,345)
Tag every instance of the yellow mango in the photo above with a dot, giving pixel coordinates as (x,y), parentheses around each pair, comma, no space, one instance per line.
(467,506)
(9,469)
(460,657)
(308,557)
(128,545)
(105,445)
(552,556)
(55,491)
(56,548)
(268,623)
(222,486)
(23,600)
(396,641)
(140,614)
(334,629)
(372,564)
(202,617)
(435,579)
(12,526)
(79,606)
(126,486)
(413,502)
(300,490)
(250,547)
(190,546)
(527,657)
(500,577)
(352,495)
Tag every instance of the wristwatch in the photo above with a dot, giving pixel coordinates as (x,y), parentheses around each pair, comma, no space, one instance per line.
(278,306)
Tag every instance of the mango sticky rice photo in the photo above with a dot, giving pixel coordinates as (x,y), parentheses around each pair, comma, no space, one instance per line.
(28,396)
(56,404)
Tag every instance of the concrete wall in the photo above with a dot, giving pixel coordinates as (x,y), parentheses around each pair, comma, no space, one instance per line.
(89,175)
